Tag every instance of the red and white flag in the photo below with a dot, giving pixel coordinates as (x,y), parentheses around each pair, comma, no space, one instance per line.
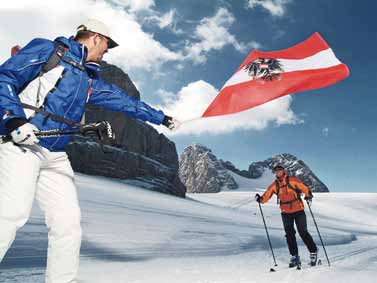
(265,76)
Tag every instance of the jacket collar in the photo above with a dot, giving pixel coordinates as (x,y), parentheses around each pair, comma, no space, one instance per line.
(80,53)
(282,179)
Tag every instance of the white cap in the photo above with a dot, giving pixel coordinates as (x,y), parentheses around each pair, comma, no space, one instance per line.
(99,27)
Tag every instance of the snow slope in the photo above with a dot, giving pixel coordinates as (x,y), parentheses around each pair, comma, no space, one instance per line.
(134,235)
(246,184)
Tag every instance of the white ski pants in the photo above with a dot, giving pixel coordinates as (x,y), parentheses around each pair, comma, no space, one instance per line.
(48,177)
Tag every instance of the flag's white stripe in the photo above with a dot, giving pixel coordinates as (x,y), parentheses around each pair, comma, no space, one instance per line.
(323,59)
(320,60)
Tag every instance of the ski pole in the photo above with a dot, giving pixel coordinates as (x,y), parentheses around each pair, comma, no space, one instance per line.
(56,133)
(102,129)
(268,237)
(319,234)
(46,134)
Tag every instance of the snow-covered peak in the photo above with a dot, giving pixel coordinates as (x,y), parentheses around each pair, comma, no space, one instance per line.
(293,165)
(201,171)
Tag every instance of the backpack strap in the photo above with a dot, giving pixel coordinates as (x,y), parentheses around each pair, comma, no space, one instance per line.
(277,184)
(288,184)
(73,63)
(47,114)
(295,189)
(54,60)
(51,63)
(58,56)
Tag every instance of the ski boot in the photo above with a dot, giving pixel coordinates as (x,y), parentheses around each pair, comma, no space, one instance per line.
(295,262)
(313,258)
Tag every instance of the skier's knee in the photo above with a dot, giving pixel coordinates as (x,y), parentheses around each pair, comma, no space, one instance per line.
(67,224)
(290,233)
(8,230)
(303,233)
(17,217)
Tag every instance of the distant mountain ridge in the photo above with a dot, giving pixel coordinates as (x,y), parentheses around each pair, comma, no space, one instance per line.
(294,166)
(202,172)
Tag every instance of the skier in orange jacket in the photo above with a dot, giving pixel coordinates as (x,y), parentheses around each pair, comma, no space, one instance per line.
(288,189)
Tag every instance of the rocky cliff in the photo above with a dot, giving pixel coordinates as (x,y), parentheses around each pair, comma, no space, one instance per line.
(140,154)
(202,172)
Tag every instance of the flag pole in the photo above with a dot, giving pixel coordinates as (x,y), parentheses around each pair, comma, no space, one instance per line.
(189,120)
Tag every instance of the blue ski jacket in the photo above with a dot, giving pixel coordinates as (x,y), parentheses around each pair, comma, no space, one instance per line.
(75,89)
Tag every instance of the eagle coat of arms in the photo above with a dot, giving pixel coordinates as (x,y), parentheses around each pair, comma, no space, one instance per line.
(267,69)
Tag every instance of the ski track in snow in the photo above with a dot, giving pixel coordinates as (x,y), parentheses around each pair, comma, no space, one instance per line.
(134,235)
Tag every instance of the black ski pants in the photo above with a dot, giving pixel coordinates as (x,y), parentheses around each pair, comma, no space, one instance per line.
(300,218)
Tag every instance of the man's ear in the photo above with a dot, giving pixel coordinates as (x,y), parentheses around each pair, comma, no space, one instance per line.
(95,39)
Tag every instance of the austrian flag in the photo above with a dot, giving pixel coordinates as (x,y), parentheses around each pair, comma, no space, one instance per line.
(265,76)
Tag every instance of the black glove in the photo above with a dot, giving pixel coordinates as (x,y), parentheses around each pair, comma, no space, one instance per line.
(170,123)
(102,129)
(309,197)
(167,122)
(258,198)
(15,123)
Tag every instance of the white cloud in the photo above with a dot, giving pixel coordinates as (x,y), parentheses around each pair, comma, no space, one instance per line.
(192,100)
(163,21)
(167,19)
(136,5)
(325,132)
(20,21)
(145,12)
(138,49)
(274,7)
(213,34)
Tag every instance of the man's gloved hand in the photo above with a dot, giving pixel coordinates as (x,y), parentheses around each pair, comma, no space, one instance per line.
(309,198)
(171,123)
(24,135)
(258,198)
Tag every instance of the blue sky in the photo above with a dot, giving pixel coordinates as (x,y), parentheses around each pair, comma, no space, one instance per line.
(180,53)
(339,135)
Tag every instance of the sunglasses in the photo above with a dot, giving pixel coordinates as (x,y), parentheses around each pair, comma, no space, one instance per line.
(104,38)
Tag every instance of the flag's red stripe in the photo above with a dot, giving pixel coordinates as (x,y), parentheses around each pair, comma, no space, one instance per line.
(249,94)
(309,47)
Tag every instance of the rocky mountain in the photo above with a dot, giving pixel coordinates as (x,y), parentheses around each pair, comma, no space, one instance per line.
(202,172)
(293,165)
(229,165)
(140,154)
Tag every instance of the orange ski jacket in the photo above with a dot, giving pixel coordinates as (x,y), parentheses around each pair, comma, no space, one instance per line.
(289,196)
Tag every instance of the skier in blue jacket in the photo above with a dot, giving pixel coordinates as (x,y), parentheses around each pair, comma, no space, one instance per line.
(39,168)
